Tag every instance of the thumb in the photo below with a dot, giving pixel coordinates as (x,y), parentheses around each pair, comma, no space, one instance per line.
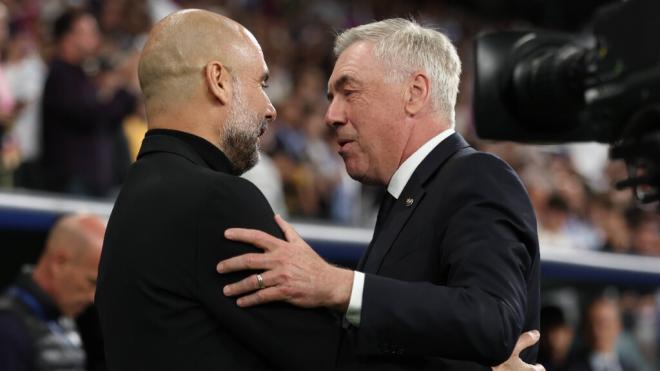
(526,340)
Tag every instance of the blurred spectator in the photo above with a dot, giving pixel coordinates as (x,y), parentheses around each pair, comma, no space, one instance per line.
(82,120)
(556,339)
(26,72)
(644,231)
(8,111)
(37,331)
(553,224)
(607,348)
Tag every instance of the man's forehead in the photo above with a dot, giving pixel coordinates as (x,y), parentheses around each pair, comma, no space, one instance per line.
(352,64)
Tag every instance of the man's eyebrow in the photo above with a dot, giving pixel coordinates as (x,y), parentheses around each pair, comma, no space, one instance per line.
(340,83)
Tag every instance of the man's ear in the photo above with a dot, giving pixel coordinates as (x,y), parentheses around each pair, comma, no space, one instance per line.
(417,93)
(217,79)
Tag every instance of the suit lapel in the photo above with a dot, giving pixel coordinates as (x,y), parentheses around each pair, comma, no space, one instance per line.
(402,210)
(410,198)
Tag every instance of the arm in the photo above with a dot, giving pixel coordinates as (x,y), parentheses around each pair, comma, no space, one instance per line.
(287,337)
(488,253)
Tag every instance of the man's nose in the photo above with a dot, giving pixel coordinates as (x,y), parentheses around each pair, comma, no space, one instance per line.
(271,112)
(335,115)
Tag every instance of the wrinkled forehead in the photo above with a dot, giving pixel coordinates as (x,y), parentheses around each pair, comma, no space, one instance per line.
(357,63)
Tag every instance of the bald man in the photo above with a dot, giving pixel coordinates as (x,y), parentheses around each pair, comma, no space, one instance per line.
(159,297)
(36,327)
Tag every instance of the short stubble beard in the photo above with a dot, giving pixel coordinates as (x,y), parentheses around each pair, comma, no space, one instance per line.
(240,140)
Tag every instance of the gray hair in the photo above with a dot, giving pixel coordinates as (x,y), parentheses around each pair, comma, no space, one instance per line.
(406,47)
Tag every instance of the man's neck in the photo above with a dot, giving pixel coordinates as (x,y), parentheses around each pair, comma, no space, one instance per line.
(421,134)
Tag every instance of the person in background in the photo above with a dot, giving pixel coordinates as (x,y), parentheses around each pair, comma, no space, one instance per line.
(37,331)
(8,112)
(26,73)
(606,347)
(556,339)
(644,231)
(81,120)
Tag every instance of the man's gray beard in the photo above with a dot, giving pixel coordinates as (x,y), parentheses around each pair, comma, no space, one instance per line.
(240,138)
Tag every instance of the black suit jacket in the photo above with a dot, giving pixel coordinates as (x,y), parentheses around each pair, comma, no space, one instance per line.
(454,272)
(159,296)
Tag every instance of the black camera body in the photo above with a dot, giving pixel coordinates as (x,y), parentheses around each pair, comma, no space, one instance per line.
(553,87)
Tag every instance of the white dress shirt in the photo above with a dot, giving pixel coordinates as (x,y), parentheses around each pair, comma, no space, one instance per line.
(394,188)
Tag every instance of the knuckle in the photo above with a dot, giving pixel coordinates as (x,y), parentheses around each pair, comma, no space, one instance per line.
(287,276)
(250,260)
(287,291)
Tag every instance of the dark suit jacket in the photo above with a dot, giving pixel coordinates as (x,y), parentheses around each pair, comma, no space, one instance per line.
(159,296)
(454,271)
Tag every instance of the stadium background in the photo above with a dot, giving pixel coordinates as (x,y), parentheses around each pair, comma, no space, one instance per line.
(594,240)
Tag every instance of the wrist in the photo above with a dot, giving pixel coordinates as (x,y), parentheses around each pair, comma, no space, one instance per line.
(340,291)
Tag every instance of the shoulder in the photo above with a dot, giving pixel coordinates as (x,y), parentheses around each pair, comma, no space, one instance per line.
(470,160)
(225,195)
(229,187)
(14,334)
(471,168)
(477,178)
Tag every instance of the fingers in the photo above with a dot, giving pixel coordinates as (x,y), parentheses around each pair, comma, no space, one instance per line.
(539,367)
(254,261)
(526,340)
(289,233)
(249,284)
(254,237)
(267,295)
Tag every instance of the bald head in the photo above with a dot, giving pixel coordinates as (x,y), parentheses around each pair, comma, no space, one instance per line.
(173,62)
(78,234)
(204,74)
(67,269)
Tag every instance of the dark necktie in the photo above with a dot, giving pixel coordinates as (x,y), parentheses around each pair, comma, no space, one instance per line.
(386,205)
(384,210)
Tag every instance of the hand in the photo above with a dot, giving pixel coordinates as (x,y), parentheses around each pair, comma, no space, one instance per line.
(514,363)
(293,272)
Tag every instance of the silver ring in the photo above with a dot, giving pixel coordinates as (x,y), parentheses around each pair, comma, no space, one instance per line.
(260,282)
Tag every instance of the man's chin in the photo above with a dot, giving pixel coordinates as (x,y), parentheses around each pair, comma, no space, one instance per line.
(246,165)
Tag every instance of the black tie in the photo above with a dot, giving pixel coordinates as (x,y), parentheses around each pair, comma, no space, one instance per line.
(385,207)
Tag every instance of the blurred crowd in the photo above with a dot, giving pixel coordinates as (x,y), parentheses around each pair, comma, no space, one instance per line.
(71,121)
(612,331)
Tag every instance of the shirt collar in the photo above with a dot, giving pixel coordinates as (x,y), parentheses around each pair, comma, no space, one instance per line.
(46,306)
(211,154)
(408,167)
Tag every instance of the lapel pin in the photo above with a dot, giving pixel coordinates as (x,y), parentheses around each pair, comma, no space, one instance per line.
(409,201)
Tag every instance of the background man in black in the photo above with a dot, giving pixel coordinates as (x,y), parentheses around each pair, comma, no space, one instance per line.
(452,271)
(159,297)
(82,119)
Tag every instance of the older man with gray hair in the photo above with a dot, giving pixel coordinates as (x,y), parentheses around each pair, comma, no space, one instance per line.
(452,271)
